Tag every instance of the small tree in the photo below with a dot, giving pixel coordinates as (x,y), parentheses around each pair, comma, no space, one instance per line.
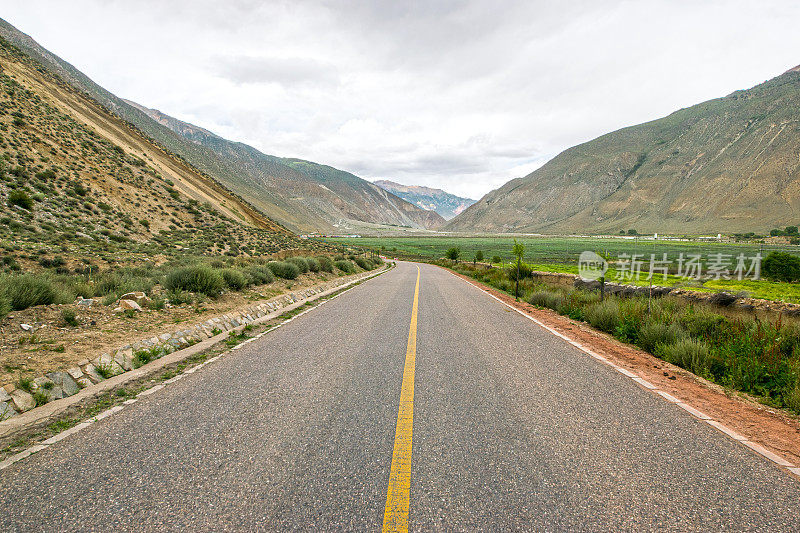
(478,257)
(518,250)
(497,259)
(453,253)
(20,198)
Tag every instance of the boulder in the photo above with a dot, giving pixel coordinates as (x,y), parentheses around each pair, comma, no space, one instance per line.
(22,400)
(65,382)
(7,410)
(137,296)
(84,302)
(75,372)
(4,397)
(126,305)
(26,327)
(92,374)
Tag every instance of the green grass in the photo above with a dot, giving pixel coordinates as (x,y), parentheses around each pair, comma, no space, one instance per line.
(560,255)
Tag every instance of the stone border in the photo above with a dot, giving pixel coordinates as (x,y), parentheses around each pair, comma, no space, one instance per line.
(88,379)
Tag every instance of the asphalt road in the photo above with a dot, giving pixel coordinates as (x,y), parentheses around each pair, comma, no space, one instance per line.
(513,429)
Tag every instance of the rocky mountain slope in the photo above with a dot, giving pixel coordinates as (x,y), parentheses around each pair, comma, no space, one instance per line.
(281,191)
(726,165)
(306,196)
(75,175)
(446,204)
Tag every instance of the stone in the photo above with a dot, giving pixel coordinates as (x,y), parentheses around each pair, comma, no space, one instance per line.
(129,305)
(26,327)
(84,302)
(48,387)
(105,360)
(137,296)
(75,372)
(22,400)
(84,382)
(64,381)
(4,397)
(91,372)
(7,411)
(165,337)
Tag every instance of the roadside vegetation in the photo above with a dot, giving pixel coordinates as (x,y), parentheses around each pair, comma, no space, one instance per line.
(758,357)
(560,254)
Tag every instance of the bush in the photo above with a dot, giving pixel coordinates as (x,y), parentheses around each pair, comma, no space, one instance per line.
(497,259)
(364,263)
(235,279)
(178,297)
(200,279)
(20,198)
(653,335)
(547,299)
(604,316)
(345,266)
(690,354)
(300,263)
(5,306)
(781,266)
(69,317)
(259,274)
(27,290)
(313,264)
(325,263)
(284,270)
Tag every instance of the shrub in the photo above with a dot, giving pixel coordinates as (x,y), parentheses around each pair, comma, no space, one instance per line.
(325,263)
(284,270)
(178,297)
(235,279)
(69,317)
(364,263)
(27,290)
(653,334)
(20,198)
(604,315)
(5,306)
(453,253)
(300,263)
(200,279)
(545,298)
(345,266)
(313,264)
(259,274)
(690,354)
(781,266)
(497,259)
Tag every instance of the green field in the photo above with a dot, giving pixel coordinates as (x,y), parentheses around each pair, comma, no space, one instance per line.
(560,254)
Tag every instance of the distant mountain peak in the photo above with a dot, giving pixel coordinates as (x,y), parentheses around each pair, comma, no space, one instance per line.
(428,198)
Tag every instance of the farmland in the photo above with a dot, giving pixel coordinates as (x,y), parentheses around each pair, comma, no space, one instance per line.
(560,254)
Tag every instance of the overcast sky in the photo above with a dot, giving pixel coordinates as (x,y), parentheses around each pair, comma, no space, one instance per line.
(458,95)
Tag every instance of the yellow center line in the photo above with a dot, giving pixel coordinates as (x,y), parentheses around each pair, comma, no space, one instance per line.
(395,517)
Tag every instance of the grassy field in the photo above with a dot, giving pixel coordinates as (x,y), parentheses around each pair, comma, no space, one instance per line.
(560,254)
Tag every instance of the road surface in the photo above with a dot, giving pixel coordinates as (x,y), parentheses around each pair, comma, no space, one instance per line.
(513,429)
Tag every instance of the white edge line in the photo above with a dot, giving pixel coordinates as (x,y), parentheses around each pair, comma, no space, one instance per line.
(759,449)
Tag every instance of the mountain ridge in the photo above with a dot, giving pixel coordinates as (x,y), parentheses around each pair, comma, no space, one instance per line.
(725,165)
(448,205)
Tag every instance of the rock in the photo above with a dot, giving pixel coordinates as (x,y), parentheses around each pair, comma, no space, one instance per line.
(48,387)
(84,302)
(165,337)
(84,382)
(4,397)
(106,361)
(26,327)
(126,305)
(124,358)
(22,400)
(91,372)
(75,372)
(7,411)
(138,297)
(723,299)
(65,382)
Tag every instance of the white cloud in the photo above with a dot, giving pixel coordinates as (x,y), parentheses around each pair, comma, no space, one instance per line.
(458,95)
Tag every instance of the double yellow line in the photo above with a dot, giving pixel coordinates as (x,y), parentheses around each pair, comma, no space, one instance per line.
(395,517)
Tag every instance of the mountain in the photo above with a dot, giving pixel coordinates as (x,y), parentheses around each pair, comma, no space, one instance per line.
(80,179)
(283,190)
(726,165)
(306,196)
(446,204)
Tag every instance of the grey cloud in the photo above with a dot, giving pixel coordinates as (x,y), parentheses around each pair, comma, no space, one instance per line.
(288,72)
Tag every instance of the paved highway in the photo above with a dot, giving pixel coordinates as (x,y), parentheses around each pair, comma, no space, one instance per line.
(503,426)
